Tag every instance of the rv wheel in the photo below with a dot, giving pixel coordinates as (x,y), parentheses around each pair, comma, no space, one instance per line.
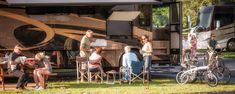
(231,45)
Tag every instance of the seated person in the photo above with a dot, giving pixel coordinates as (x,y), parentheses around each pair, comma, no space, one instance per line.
(128,58)
(185,49)
(15,68)
(95,61)
(193,47)
(43,67)
(211,47)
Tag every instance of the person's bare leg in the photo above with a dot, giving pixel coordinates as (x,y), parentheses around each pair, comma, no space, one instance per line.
(46,76)
(183,56)
(40,77)
(82,76)
(35,77)
(191,55)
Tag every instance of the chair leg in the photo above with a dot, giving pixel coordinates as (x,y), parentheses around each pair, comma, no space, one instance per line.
(130,79)
(107,78)
(114,76)
(89,77)
(77,67)
(143,77)
(101,77)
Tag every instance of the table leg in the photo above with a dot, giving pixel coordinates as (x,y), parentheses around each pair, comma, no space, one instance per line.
(107,78)
(114,78)
(77,70)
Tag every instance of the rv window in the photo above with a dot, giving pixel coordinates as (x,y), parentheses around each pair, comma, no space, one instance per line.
(144,17)
(47,10)
(225,19)
(204,18)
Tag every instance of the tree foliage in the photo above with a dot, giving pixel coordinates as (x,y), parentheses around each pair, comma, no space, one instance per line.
(161,16)
(191,8)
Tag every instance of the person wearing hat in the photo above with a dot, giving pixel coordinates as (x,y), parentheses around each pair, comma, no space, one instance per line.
(43,68)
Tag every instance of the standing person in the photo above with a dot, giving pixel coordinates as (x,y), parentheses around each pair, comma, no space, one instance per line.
(85,48)
(85,45)
(43,69)
(16,70)
(147,50)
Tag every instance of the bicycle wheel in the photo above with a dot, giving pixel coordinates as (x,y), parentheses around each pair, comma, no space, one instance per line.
(211,79)
(181,77)
(223,74)
(192,77)
(227,76)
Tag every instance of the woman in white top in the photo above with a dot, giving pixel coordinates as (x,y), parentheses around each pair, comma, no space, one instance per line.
(147,50)
(95,61)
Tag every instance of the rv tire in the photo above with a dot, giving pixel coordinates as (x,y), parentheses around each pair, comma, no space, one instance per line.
(231,45)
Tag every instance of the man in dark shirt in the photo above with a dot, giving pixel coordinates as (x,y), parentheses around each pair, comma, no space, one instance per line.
(212,42)
(15,69)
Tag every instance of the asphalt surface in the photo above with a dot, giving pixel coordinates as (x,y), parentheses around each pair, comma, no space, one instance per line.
(170,72)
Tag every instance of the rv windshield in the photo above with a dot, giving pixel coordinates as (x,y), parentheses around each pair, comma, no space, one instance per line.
(205,17)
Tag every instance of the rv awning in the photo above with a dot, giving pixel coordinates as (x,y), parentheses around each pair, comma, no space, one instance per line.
(124,15)
(79,2)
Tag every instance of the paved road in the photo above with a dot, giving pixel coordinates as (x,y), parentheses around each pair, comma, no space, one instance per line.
(170,72)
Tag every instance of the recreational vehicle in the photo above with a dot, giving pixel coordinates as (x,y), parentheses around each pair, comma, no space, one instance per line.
(219,20)
(57,26)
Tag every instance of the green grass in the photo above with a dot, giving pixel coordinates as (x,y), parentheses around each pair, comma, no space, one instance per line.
(157,86)
(228,54)
(64,70)
(224,54)
(184,33)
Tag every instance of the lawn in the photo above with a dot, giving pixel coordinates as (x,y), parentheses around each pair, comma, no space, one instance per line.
(228,54)
(157,86)
(225,54)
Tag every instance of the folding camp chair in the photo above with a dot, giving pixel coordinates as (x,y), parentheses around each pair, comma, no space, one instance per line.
(82,68)
(95,74)
(134,72)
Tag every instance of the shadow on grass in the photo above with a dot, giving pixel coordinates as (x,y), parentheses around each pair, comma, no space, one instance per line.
(136,83)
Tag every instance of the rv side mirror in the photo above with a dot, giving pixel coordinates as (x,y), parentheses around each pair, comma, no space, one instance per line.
(189,23)
(217,24)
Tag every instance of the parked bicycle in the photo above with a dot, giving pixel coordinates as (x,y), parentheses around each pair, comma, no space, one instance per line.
(185,76)
(218,67)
